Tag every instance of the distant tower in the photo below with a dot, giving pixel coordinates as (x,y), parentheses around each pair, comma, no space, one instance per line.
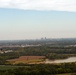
(1,49)
(42,38)
(45,38)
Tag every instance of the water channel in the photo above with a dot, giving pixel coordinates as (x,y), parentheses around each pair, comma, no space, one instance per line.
(70,59)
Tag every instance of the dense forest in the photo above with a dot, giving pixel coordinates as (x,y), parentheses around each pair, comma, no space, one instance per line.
(41,69)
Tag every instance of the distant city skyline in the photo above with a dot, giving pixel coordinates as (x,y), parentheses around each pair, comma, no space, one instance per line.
(18,24)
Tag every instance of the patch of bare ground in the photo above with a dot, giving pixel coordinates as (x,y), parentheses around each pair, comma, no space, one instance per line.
(27,60)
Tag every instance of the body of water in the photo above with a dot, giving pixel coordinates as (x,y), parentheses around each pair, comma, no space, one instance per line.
(71,59)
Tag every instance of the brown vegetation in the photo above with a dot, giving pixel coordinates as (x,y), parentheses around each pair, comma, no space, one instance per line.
(27,59)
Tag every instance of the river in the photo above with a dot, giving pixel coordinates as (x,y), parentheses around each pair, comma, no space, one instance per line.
(70,59)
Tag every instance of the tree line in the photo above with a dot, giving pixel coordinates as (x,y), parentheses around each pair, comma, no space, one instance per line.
(41,69)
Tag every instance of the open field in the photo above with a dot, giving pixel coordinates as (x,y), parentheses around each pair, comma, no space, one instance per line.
(68,74)
(27,59)
(7,67)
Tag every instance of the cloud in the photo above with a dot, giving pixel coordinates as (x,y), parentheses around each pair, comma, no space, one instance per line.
(57,5)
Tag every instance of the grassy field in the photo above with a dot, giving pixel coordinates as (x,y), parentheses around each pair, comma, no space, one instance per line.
(68,74)
(8,67)
(27,60)
(4,67)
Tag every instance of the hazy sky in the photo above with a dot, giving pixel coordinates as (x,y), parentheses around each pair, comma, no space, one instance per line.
(32,19)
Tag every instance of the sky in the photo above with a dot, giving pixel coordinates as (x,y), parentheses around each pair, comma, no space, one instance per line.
(34,19)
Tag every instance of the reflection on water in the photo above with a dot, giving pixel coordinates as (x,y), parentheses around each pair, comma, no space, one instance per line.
(71,59)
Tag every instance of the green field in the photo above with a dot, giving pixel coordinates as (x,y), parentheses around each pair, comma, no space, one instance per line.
(4,67)
(68,74)
(7,67)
